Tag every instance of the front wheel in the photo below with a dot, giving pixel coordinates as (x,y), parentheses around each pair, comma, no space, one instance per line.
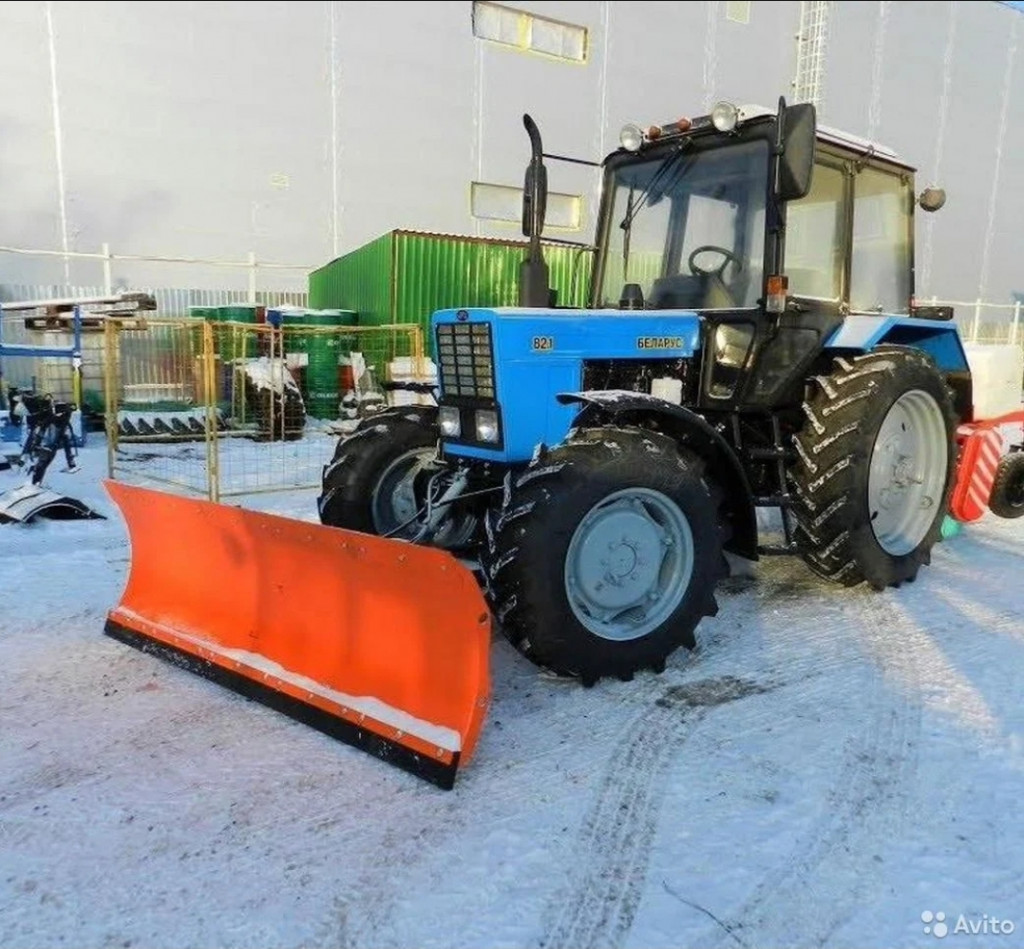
(875,469)
(379,479)
(606,553)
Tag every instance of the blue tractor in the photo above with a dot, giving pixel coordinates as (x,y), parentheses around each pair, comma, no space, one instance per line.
(752,341)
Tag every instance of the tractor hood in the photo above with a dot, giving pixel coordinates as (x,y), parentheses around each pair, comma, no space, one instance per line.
(516,361)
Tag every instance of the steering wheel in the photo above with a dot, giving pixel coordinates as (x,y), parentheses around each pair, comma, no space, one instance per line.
(728,255)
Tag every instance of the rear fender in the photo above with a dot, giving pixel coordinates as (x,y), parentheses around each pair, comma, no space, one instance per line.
(692,431)
(941,341)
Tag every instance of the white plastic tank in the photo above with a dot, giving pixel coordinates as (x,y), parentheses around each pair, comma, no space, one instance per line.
(997,372)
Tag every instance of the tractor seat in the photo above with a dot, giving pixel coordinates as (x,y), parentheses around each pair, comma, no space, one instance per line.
(688,291)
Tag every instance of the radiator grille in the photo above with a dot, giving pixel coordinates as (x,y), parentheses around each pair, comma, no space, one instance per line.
(466,358)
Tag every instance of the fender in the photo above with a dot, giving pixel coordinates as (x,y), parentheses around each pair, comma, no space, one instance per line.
(941,341)
(427,415)
(691,430)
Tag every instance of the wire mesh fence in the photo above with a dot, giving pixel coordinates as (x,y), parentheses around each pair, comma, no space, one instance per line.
(228,409)
(982,322)
(49,373)
(155,403)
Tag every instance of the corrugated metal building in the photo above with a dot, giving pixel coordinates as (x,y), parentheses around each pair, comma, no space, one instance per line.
(299,130)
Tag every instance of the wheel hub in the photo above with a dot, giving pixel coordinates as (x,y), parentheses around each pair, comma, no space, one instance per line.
(907,472)
(403,501)
(629,563)
(622,561)
(632,558)
(394,500)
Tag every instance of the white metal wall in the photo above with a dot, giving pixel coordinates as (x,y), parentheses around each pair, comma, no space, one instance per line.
(297,131)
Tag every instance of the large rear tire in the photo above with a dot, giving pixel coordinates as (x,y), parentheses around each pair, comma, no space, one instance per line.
(605,554)
(876,462)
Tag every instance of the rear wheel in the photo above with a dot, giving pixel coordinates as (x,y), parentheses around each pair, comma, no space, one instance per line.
(1007,498)
(605,555)
(876,465)
(379,476)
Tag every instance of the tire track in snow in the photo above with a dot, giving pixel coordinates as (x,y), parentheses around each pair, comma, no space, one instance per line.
(618,831)
(819,884)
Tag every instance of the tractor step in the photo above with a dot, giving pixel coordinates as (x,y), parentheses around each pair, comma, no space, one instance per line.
(778,550)
(771,454)
(773,500)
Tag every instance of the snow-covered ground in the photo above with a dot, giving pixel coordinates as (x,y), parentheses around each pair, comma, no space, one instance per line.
(826,767)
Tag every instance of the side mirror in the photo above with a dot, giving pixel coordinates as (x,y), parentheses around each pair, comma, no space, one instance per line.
(535,186)
(797,128)
(931,199)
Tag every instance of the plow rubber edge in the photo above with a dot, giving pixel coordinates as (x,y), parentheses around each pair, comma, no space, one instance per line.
(375,642)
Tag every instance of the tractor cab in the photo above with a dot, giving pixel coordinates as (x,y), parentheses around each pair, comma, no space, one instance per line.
(772,229)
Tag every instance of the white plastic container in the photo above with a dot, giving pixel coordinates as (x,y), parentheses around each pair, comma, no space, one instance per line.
(667,388)
(997,371)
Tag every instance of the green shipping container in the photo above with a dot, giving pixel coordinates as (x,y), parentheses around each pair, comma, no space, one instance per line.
(404,276)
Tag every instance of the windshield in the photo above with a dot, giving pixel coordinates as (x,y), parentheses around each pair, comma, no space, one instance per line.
(689,228)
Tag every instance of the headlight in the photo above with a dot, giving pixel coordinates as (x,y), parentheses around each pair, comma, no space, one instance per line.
(732,343)
(486,425)
(724,116)
(631,138)
(450,421)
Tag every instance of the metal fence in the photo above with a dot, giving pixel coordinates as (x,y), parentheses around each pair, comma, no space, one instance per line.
(982,322)
(38,366)
(171,302)
(231,409)
(101,264)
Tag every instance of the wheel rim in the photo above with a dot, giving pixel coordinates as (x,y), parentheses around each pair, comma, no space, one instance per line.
(394,499)
(909,463)
(629,564)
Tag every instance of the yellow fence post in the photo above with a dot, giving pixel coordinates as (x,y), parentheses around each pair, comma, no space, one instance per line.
(110,384)
(210,398)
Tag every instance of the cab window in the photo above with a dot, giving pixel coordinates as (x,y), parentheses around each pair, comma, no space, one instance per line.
(880,266)
(814,231)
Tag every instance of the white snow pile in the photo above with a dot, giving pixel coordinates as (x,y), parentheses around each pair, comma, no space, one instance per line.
(829,767)
(273,374)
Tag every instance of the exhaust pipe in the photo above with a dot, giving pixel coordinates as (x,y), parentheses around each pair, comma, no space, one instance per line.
(534,289)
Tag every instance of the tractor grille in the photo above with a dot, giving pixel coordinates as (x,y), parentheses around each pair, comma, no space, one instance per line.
(466,358)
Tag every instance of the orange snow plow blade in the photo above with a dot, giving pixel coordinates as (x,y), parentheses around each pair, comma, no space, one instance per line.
(379,643)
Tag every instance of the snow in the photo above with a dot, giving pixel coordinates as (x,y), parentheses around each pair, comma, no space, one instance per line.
(266,373)
(828,765)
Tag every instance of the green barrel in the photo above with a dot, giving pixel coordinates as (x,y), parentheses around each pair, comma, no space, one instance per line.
(323,351)
(203,312)
(235,342)
(293,318)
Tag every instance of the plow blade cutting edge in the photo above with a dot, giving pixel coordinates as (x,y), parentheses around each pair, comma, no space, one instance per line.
(379,643)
